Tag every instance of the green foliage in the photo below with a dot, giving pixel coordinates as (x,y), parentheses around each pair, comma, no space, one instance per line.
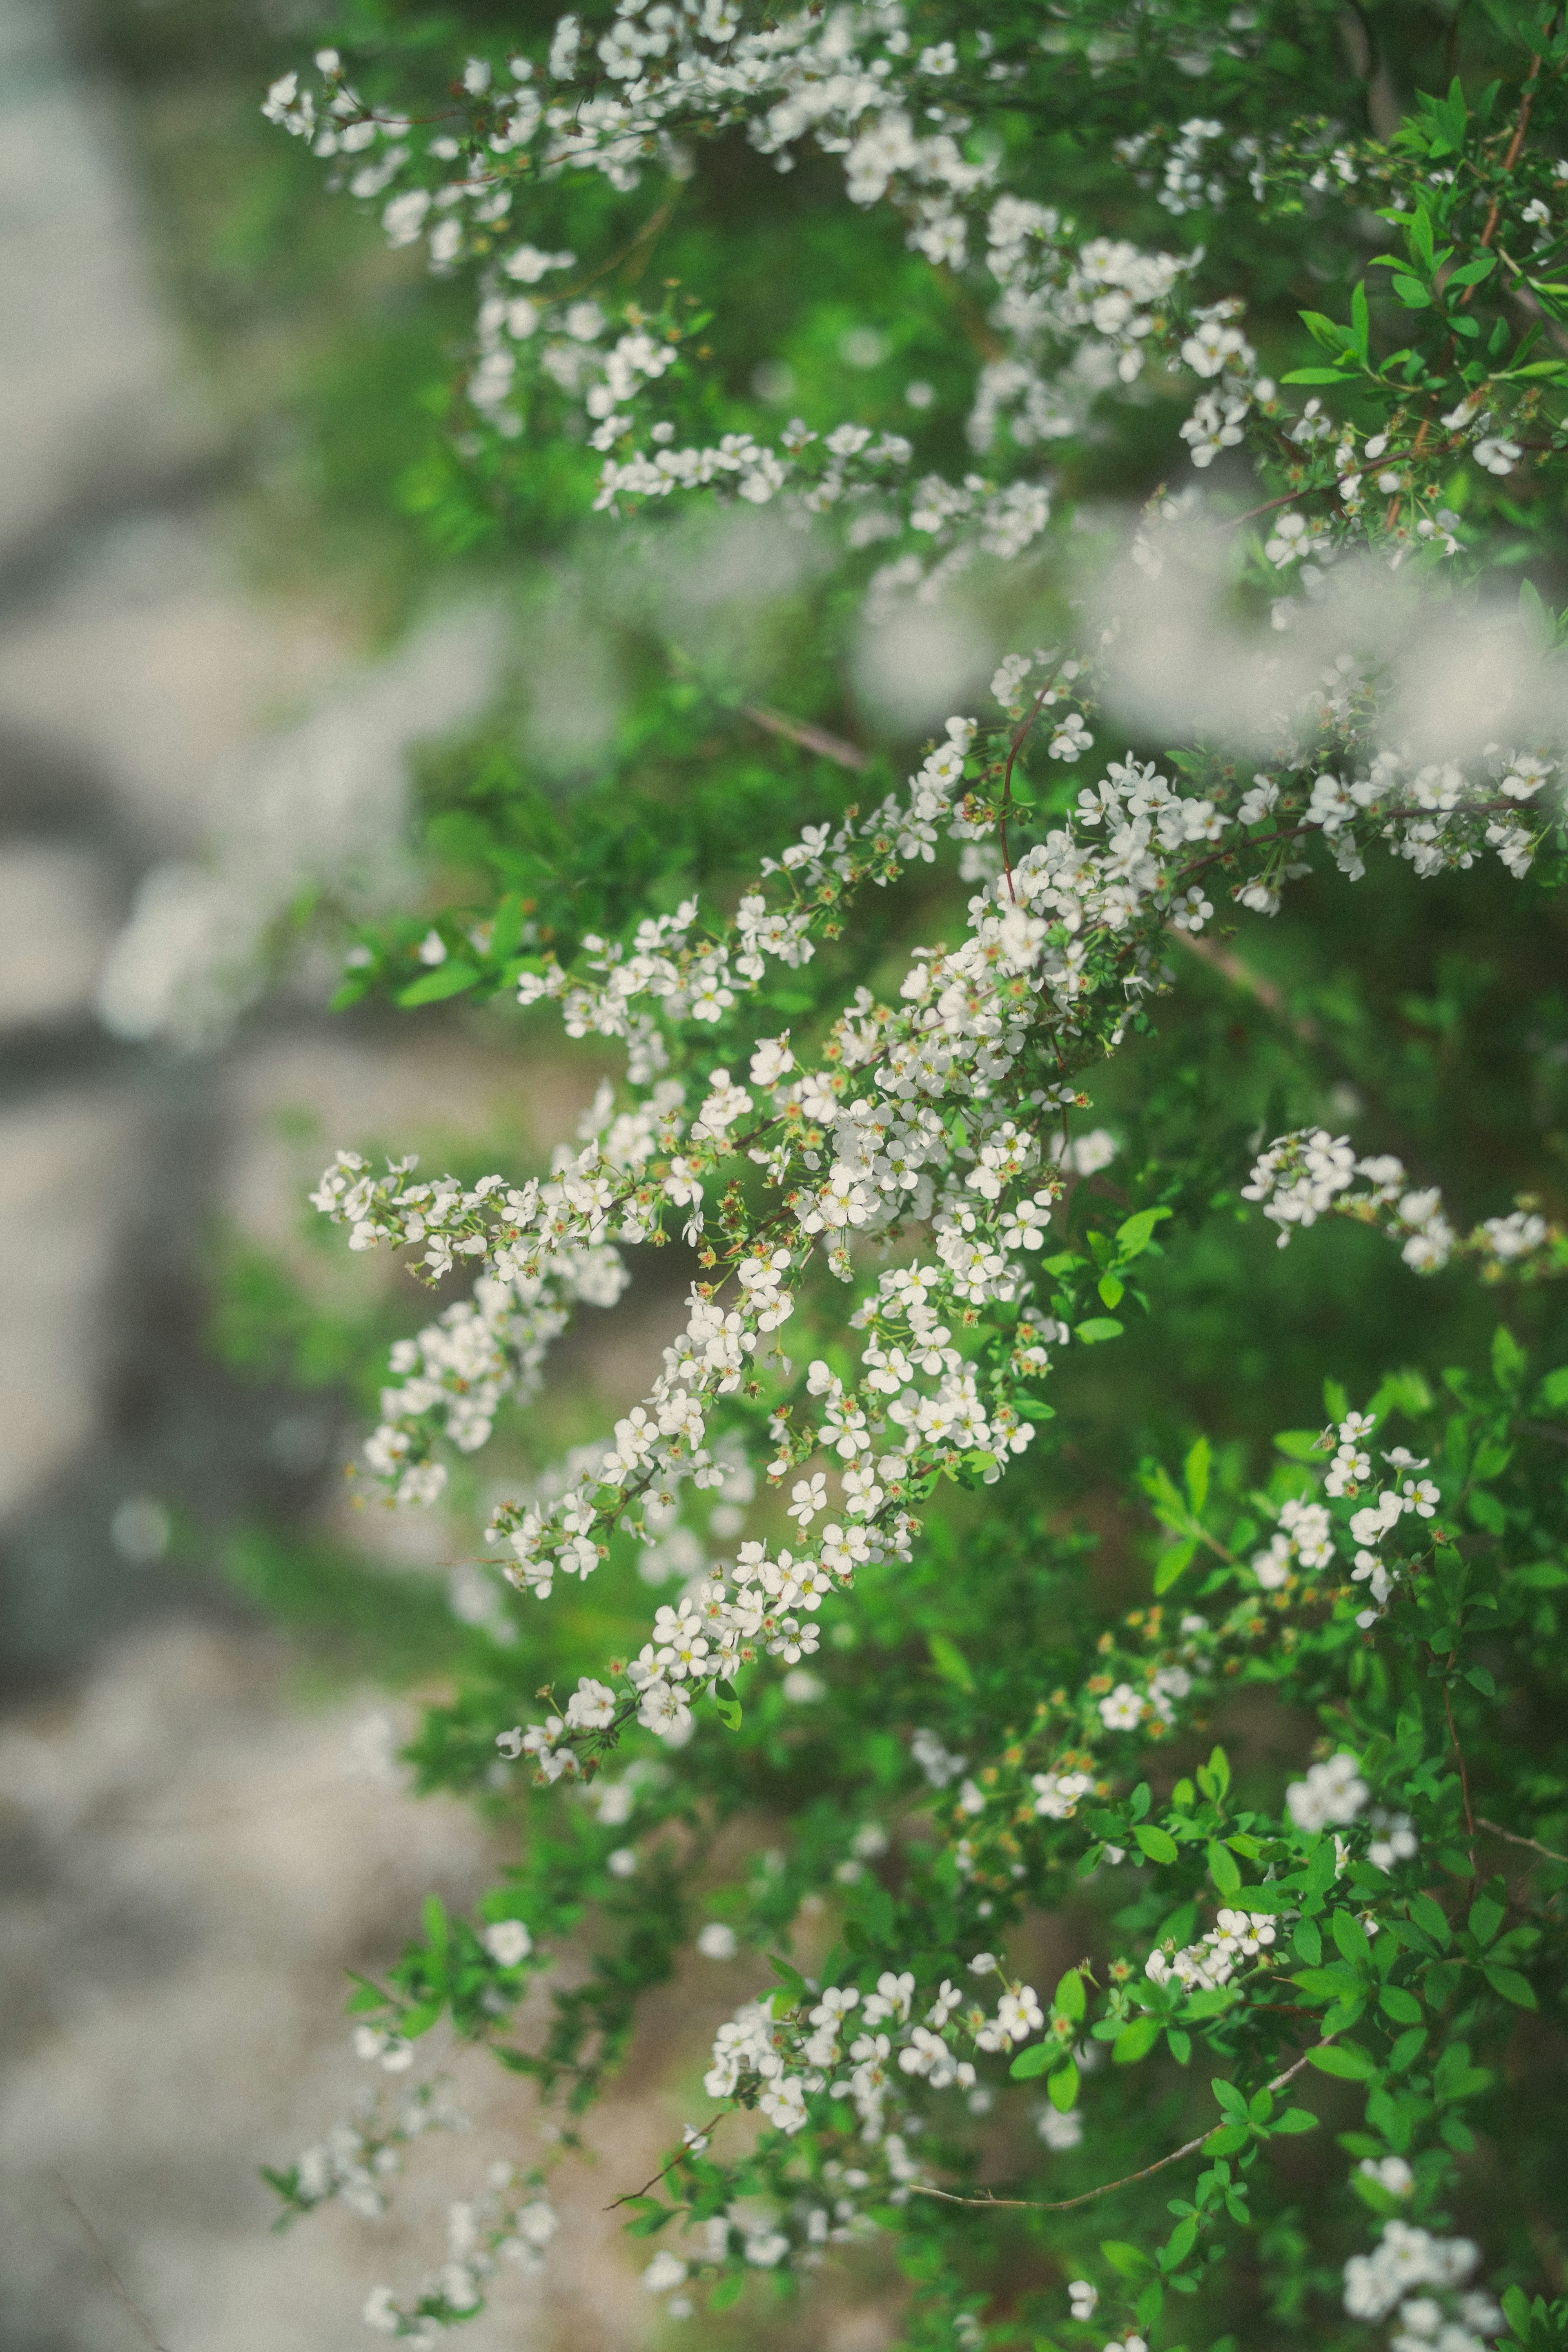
(959,1773)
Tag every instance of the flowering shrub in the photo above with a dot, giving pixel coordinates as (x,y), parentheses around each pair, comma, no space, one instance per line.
(1085,1962)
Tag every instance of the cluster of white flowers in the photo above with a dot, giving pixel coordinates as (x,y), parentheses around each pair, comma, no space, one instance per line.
(511,2221)
(1237,1937)
(1301,1540)
(868,2049)
(356,2159)
(1331,1796)
(1310,1173)
(1411,2258)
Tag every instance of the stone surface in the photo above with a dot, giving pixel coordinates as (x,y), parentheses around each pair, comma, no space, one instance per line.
(67,1165)
(56,922)
(93,401)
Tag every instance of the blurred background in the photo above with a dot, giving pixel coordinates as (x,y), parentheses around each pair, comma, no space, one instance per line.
(207,683)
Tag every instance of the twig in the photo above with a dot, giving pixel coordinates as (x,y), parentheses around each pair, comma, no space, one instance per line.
(1033,2204)
(1512,1837)
(810,738)
(95,2242)
(679,2158)
(1226,961)
(1464,1779)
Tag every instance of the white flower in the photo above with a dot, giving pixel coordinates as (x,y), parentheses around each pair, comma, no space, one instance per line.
(1332,1793)
(507,1942)
(666,2271)
(717,1941)
(1122,1709)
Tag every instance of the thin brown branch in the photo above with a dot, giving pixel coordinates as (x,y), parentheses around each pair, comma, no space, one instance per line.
(1464,1779)
(1034,2205)
(679,2158)
(121,2290)
(809,737)
(1229,964)
(1512,1837)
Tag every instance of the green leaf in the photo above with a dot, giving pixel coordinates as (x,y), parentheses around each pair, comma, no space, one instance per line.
(448,979)
(1224,1869)
(1070,2000)
(1134,1234)
(729,1713)
(1346,2059)
(1431,1916)
(1172,1562)
(1180,2244)
(949,1660)
(1037,2059)
(1158,1844)
(1062,2088)
(1509,1983)
(1360,325)
(1487,1915)
(1411,292)
(1295,2119)
(1507,1359)
(1098,1327)
(1111,1292)
(1129,2260)
(506,928)
(1227,2139)
(1196,1473)
(1407,2049)
(1135,2041)
(1315,375)
(1351,1936)
(1401,2006)
(728,2290)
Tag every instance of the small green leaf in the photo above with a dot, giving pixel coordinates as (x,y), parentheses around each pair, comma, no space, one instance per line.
(1414,295)
(447,980)
(1036,2060)
(1295,2119)
(1111,1292)
(1062,2088)
(1196,1473)
(1344,2059)
(1128,2260)
(1070,2000)
(949,1660)
(1224,1869)
(1134,1234)
(1401,2006)
(1098,1327)
(1135,2041)
(1431,1916)
(1487,1915)
(1172,1561)
(1507,1359)
(1226,2139)
(1158,1844)
(1509,1983)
